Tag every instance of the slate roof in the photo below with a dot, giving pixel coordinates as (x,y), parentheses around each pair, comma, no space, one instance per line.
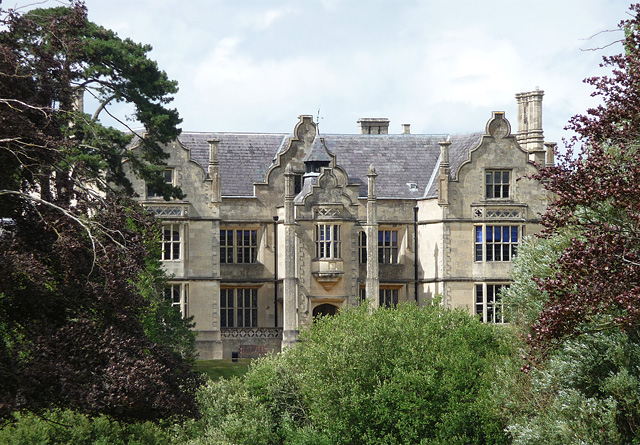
(244,157)
(459,150)
(405,163)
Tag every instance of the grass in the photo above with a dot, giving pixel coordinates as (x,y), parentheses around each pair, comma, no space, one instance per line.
(217,369)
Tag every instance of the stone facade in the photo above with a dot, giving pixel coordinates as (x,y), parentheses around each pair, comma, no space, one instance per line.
(276,229)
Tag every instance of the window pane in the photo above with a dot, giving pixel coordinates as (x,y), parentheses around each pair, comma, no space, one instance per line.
(505,177)
(489,178)
(505,191)
(514,234)
(490,293)
(478,234)
(505,234)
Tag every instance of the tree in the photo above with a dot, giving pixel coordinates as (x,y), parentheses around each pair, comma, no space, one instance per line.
(81,319)
(576,290)
(584,390)
(595,284)
(404,375)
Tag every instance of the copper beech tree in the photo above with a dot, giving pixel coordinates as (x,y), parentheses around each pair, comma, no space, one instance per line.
(82,321)
(595,284)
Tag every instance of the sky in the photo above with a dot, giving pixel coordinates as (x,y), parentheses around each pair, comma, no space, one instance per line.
(441,66)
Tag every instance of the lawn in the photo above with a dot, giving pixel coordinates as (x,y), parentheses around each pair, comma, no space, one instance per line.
(217,369)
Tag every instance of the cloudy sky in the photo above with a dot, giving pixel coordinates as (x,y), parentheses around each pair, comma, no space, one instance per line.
(442,66)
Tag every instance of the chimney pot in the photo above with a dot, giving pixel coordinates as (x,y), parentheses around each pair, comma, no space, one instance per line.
(406,128)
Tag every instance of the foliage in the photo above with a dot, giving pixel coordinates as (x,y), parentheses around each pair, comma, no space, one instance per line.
(66,426)
(232,414)
(404,375)
(595,283)
(50,57)
(537,256)
(588,391)
(82,323)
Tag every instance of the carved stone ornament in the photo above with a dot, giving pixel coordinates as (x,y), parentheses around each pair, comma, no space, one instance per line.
(326,212)
(498,126)
(503,213)
(328,279)
(167,211)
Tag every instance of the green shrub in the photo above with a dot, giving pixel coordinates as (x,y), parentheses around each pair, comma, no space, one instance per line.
(404,375)
(70,427)
(588,391)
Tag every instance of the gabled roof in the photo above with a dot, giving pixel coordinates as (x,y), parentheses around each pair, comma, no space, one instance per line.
(244,157)
(400,160)
(404,162)
(461,146)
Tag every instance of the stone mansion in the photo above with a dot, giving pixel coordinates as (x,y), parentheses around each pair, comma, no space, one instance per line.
(276,229)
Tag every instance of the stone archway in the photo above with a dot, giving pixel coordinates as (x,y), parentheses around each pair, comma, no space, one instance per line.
(324,310)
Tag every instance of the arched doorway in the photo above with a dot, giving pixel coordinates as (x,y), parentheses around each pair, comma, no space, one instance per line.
(325,309)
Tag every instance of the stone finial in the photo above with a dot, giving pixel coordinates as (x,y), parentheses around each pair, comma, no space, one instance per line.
(443,177)
(371,182)
(551,152)
(214,171)
(78,99)
(444,152)
(213,150)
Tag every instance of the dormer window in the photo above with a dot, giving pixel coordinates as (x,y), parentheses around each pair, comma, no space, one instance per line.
(316,166)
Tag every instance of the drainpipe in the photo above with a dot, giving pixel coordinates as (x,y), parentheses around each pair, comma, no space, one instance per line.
(415,252)
(275,270)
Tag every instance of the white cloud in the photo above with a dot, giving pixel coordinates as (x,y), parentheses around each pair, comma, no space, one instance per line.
(262,20)
(442,66)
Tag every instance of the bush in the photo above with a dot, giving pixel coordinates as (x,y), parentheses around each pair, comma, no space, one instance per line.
(588,391)
(404,375)
(70,427)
